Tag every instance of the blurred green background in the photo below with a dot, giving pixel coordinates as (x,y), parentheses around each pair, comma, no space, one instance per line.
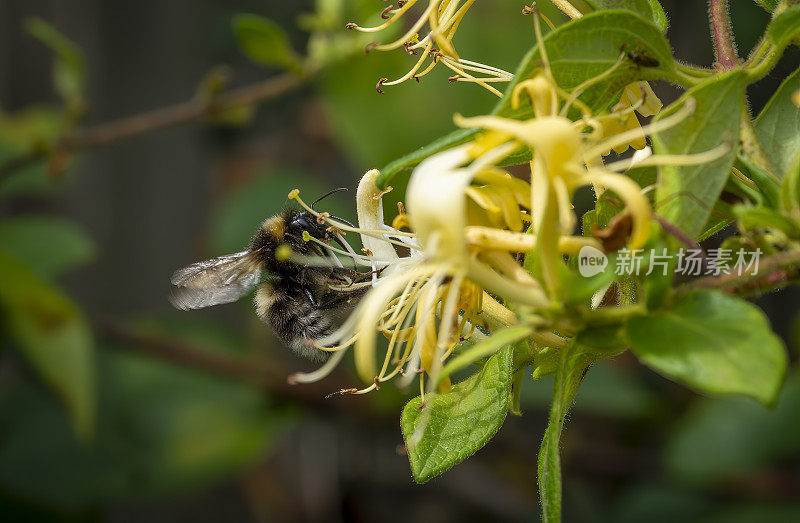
(115,407)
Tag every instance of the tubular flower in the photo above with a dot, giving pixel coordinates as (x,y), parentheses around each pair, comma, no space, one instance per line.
(636,97)
(429,301)
(442,18)
(436,270)
(566,156)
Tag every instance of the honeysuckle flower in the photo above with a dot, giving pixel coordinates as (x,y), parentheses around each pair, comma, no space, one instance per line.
(440,294)
(466,220)
(565,156)
(442,18)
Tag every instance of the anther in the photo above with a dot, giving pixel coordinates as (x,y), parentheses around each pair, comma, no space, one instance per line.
(453,78)
(323,216)
(383,192)
(385,12)
(407,47)
(377,383)
(341,391)
(369,46)
(379,84)
(367,251)
(350,25)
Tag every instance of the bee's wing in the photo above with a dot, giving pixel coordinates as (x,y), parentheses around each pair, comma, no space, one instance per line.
(219,280)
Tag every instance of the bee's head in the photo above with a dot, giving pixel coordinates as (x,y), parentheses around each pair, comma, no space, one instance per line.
(288,228)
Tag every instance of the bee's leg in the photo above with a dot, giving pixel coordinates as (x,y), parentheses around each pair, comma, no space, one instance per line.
(310,296)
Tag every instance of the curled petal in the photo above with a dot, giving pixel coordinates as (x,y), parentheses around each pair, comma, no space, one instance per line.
(436,202)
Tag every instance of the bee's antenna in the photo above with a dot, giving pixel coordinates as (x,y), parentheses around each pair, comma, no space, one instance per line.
(334,191)
(342,220)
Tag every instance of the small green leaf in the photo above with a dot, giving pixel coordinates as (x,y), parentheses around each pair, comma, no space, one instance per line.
(714,342)
(264,42)
(572,366)
(579,50)
(778,126)
(790,192)
(688,193)
(769,5)
(751,218)
(648,9)
(49,246)
(607,339)
(484,348)
(784,28)
(767,184)
(69,69)
(579,289)
(53,335)
(456,424)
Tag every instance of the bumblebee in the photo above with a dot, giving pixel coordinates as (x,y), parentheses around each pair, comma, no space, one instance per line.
(302,293)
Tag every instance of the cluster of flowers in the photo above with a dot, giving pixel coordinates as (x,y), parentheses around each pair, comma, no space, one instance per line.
(448,267)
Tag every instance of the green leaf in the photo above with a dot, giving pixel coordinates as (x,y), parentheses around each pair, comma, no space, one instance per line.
(579,50)
(484,348)
(607,339)
(790,192)
(784,28)
(648,9)
(264,42)
(69,69)
(49,246)
(769,5)
(778,126)
(572,366)
(763,217)
(686,194)
(51,332)
(768,186)
(456,424)
(713,342)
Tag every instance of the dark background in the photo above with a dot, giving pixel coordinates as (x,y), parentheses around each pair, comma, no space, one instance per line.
(175,443)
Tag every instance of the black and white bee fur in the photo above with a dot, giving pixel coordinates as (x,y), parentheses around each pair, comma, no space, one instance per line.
(302,302)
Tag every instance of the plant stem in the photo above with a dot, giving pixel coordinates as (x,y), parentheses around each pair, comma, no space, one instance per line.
(724,46)
(182,113)
(774,271)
